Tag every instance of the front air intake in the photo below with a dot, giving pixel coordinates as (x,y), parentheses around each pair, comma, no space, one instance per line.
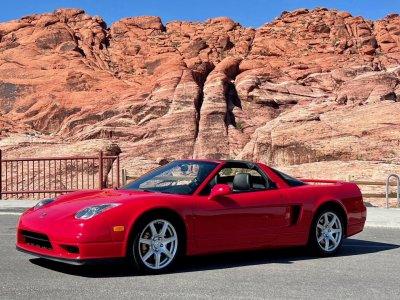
(36,239)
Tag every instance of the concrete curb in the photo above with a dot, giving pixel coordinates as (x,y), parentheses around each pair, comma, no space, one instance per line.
(376,217)
(383,217)
(10,204)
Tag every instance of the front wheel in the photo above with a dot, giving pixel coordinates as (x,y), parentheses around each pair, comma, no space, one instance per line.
(326,234)
(156,245)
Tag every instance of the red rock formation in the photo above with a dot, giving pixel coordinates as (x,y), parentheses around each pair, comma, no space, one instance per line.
(307,87)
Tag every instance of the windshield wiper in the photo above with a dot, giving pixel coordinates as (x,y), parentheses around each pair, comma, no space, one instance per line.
(143,190)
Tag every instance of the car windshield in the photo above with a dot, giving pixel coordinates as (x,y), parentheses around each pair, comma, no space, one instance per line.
(181,177)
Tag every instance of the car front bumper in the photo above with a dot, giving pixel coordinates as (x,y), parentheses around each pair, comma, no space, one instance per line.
(75,254)
(68,241)
(71,261)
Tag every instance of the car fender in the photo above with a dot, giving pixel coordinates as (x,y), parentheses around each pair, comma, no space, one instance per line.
(329,199)
(120,217)
(325,199)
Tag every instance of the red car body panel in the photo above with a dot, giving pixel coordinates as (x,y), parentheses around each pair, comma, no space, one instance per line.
(242,221)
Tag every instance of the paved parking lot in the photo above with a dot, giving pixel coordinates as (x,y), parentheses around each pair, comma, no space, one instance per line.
(368,266)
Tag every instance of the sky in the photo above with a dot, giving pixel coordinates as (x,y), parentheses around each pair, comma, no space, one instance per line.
(247,12)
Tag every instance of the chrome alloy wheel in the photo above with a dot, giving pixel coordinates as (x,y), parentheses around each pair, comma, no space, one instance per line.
(329,231)
(158,244)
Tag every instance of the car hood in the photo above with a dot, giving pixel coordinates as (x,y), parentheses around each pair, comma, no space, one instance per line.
(71,203)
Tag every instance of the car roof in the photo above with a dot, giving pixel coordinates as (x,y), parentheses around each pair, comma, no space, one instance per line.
(219,160)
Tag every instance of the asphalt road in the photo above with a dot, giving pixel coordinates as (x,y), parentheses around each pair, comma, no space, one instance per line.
(368,266)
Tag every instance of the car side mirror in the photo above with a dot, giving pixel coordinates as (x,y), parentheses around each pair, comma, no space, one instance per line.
(220,190)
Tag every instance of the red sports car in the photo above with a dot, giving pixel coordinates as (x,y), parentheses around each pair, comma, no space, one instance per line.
(191,207)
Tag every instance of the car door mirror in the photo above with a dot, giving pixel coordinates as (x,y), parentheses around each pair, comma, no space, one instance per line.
(220,190)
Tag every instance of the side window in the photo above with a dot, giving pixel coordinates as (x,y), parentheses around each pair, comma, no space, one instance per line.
(240,178)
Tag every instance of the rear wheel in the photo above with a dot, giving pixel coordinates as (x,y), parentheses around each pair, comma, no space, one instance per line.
(326,234)
(156,245)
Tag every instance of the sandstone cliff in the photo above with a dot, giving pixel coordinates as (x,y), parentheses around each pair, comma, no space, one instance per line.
(309,86)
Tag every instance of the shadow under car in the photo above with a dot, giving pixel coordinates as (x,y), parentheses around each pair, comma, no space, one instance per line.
(349,247)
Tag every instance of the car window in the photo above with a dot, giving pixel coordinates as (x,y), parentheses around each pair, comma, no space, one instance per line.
(291,181)
(247,179)
(225,172)
(179,177)
(227,176)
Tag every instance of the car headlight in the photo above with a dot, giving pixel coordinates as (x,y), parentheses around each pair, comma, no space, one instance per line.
(91,211)
(43,203)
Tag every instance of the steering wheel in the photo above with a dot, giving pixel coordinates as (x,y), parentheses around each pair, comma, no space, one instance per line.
(194,184)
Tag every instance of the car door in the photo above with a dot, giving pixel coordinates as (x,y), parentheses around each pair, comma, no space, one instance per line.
(241,220)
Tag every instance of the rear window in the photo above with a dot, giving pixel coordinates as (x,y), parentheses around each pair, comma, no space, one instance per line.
(291,181)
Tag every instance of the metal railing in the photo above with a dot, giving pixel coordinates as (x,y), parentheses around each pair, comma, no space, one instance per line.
(126,178)
(52,176)
(388,189)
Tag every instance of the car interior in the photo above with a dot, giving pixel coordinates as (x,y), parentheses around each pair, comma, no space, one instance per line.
(241,178)
(241,182)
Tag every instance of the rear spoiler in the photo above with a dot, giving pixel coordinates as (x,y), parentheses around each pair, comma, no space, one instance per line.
(320,181)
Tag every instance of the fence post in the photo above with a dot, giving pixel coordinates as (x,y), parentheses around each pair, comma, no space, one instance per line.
(101,170)
(124,175)
(118,173)
(1,176)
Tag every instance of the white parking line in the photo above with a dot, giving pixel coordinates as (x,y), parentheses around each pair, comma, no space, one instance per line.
(4,213)
(388,225)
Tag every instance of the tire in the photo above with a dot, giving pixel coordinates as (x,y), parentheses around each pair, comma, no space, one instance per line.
(156,244)
(326,232)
